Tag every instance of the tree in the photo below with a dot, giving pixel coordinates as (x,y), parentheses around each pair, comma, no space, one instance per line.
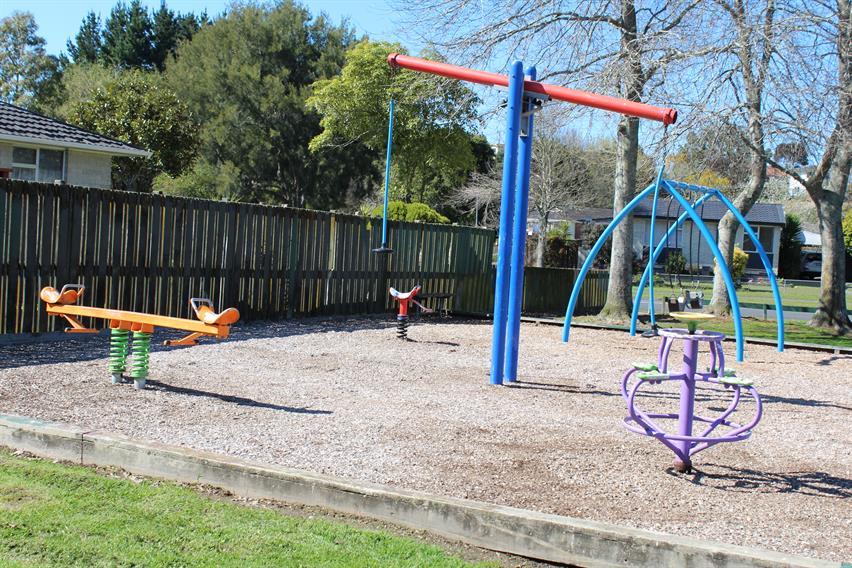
(847,230)
(138,109)
(432,148)
(127,36)
(817,110)
(790,249)
(87,45)
(249,106)
(27,73)
(715,150)
(750,51)
(133,38)
(558,176)
(402,211)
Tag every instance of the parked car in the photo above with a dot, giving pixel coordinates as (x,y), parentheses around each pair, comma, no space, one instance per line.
(811,264)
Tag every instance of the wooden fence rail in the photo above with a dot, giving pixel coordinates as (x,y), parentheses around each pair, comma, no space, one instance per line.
(152,253)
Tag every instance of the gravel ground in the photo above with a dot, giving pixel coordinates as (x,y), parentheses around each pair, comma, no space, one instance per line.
(345,397)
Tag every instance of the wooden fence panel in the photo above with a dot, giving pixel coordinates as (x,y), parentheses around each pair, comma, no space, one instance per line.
(152,253)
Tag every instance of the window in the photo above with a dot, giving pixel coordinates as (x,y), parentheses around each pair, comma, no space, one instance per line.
(24,163)
(33,164)
(765,235)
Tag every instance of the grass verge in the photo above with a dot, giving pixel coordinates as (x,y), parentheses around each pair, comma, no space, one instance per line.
(60,515)
(794,331)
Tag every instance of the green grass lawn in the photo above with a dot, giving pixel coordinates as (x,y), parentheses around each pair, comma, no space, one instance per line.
(794,331)
(805,296)
(58,515)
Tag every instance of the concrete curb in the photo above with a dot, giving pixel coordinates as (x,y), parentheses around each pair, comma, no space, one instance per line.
(532,534)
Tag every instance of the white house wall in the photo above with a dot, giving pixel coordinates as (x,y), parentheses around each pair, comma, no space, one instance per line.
(89,170)
(695,248)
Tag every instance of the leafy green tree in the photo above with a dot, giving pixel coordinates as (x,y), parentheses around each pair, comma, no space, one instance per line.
(126,40)
(790,248)
(416,211)
(168,29)
(27,73)
(138,109)
(86,46)
(432,147)
(204,180)
(250,105)
(80,82)
(847,229)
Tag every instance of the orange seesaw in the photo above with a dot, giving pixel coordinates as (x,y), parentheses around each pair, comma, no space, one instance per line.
(122,324)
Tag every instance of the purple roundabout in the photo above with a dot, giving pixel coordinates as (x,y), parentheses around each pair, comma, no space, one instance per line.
(685,443)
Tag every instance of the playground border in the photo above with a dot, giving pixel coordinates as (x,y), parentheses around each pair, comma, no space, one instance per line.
(540,536)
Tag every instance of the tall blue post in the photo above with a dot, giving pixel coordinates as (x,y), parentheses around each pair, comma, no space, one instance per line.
(387,177)
(507,205)
(519,238)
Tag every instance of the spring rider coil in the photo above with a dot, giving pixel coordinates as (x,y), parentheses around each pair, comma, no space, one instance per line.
(118,350)
(141,351)
(404,298)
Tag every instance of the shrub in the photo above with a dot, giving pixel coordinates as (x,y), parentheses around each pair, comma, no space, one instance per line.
(738,265)
(675,263)
(790,250)
(401,211)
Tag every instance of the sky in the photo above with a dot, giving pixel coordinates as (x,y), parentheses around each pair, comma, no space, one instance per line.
(59,20)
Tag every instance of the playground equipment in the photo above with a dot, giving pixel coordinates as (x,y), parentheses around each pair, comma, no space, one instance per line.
(526,96)
(675,189)
(404,298)
(130,332)
(685,443)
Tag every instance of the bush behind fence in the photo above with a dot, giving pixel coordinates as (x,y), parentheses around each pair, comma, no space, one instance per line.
(152,253)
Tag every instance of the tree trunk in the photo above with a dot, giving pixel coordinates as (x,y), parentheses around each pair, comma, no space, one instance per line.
(618,295)
(542,241)
(832,296)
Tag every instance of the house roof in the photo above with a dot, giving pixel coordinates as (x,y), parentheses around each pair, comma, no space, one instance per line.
(23,126)
(712,210)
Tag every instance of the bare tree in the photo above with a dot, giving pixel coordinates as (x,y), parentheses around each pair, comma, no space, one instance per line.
(752,48)
(606,46)
(559,177)
(816,110)
(479,197)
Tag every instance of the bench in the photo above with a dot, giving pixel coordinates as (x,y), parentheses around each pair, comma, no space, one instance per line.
(441,303)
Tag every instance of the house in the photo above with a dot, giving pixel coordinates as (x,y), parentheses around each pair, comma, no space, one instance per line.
(572,218)
(37,148)
(766,219)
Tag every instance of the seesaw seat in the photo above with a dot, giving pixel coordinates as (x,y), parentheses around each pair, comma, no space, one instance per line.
(404,295)
(66,296)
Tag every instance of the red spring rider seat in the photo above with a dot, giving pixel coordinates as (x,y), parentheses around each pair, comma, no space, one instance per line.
(404,298)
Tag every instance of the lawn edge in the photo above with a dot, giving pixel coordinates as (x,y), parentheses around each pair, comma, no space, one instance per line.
(532,534)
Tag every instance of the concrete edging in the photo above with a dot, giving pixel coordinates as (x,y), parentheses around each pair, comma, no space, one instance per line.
(532,534)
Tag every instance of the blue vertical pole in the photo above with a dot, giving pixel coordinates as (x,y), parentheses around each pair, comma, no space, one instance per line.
(387,177)
(507,203)
(519,240)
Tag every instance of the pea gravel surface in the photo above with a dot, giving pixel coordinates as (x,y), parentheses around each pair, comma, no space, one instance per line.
(345,397)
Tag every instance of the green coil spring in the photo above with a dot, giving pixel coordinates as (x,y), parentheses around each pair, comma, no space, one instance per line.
(140,351)
(118,351)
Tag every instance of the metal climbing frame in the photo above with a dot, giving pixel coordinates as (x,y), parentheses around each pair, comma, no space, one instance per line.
(130,332)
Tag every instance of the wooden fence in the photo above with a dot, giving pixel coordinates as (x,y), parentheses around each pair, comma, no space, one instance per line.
(152,253)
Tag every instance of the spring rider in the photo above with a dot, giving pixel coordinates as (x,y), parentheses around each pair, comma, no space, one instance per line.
(130,332)
(404,298)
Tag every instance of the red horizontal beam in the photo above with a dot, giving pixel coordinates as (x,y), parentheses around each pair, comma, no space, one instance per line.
(612,104)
